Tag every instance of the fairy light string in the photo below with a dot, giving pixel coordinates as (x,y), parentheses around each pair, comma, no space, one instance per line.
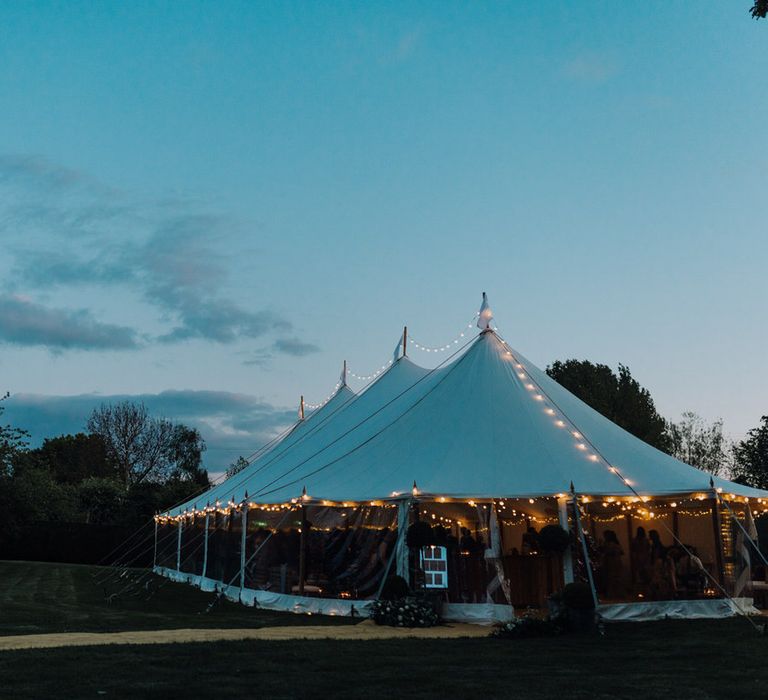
(450,344)
(373,375)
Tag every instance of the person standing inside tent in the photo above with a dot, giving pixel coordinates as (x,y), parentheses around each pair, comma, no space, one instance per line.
(640,551)
(611,567)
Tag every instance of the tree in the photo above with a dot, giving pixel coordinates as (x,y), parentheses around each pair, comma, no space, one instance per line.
(237,466)
(620,398)
(100,500)
(759,9)
(697,443)
(750,457)
(186,455)
(13,441)
(72,458)
(147,448)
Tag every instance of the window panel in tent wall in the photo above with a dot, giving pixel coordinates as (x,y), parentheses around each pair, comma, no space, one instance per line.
(348,549)
(272,549)
(458,527)
(218,540)
(512,536)
(654,567)
(232,543)
(167,534)
(612,559)
(192,544)
(694,526)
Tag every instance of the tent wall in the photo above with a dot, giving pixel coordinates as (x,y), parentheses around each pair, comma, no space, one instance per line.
(492,551)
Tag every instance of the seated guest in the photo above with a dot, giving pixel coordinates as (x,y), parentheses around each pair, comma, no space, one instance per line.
(689,572)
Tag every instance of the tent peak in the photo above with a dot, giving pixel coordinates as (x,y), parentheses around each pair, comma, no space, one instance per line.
(485,315)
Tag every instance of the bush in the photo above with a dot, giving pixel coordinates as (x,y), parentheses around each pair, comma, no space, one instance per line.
(405,612)
(395,587)
(554,538)
(578,596)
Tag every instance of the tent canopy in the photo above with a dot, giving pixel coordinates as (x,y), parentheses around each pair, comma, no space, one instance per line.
(488,425)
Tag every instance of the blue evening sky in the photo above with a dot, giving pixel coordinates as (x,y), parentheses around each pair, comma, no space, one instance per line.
(210,205)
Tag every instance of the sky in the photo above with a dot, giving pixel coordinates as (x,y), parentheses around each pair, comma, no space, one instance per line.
(209,206)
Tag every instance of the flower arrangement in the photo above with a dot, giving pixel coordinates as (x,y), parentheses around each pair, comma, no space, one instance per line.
(404,612)
(527,626)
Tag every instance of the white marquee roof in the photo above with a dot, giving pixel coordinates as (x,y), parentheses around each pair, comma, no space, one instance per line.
(488,425)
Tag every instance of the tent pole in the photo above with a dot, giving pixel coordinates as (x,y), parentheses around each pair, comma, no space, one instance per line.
(583,539)
(396,551)
(562,512)
(178,546)
(243,534)
(405,341)
(154,555)
(414,562)
(303,550)
(718,535)
(401,548)
(205,545)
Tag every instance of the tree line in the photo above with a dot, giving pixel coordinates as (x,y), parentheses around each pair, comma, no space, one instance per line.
(128,464)
(620,398)
(123,468)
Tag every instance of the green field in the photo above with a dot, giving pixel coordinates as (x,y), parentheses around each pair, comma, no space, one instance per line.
(37,598)
(670,660)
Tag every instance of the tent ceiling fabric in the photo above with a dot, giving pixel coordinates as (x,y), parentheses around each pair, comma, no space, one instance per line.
(471,429)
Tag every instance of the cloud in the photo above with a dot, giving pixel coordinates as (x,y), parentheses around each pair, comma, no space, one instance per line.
(27,168)
(590,67)
(172,254)
(231,424)
(182,273)
(23,322)
(295,347)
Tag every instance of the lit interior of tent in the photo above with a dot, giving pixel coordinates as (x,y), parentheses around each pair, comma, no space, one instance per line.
(482,481)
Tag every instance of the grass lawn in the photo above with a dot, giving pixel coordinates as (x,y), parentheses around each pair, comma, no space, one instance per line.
(675,660)
(39,597)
